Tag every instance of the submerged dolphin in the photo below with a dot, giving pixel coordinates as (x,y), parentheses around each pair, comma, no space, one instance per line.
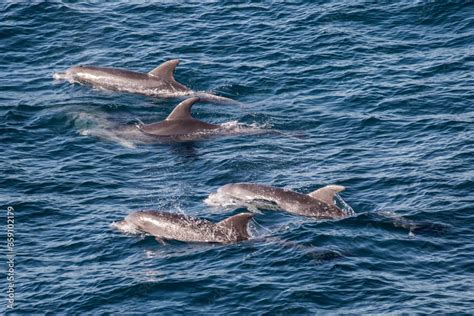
(319,204)
(159,82)
(169,226)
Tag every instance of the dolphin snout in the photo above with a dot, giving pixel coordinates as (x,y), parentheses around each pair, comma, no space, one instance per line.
(66,75)
(125,226)
(60,75)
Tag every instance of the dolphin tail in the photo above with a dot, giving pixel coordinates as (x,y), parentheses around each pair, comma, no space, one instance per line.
(237,224)
(208,97)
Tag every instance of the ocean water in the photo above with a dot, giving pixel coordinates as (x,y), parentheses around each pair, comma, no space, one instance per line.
(376,96)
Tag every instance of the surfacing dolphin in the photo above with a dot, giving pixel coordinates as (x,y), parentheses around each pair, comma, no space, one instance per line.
(319,204)
(180,124)
(169,226)
(159,82)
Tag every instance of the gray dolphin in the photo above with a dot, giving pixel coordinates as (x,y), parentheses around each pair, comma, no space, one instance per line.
(159,82)
(319,204)
(169,226)
(177,127)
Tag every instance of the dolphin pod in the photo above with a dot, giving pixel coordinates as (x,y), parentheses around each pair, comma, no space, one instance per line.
(180,125)
(159,82)
(319,204)
(165,226)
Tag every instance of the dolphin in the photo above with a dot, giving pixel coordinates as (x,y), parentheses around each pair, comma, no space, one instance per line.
(179,126)
(319,204)
(159,82)
(169,226)
(413,227)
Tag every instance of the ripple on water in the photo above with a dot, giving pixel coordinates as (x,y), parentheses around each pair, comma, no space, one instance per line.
(376,97)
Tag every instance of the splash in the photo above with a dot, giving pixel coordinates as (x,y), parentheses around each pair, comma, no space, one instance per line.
(341,204)
(237,128)
(222,200)
(217,199)
(109,135)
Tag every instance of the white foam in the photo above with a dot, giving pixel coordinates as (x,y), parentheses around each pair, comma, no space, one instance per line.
(219,200)
(108,135)
(64,76)
(234,127)
(346,208)
(98,125)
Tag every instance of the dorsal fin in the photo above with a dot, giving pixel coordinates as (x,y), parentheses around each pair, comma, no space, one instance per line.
(327,193)
(238,224)
(165,70)
(183,110)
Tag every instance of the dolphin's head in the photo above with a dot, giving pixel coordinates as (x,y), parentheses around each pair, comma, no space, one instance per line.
(125,226)
(71,74)
(226,195)
(65,75)
(229,191)
(233,189)
(240,191)
(137,218)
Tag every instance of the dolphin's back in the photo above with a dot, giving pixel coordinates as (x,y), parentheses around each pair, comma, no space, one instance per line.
(124,80)
(96,75)
(172,226)
(179,123)
(177,128)
(186,228)
(118,72)
(290,201)
(273,194)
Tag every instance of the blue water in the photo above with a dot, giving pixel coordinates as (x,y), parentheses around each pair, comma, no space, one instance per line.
(375,96)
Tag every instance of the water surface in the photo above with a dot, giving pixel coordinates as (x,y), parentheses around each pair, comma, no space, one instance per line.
(376,97)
